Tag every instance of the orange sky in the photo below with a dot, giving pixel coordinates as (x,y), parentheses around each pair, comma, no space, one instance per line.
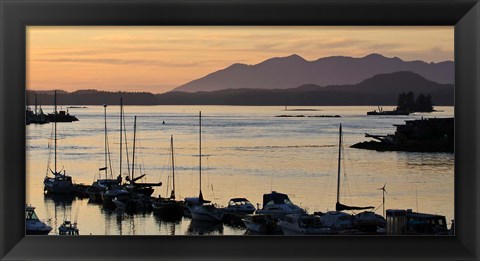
(158,59)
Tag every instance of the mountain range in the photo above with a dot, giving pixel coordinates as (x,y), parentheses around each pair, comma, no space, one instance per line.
(380,89)
(291,71)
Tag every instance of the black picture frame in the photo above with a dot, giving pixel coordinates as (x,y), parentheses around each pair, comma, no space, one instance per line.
(17,14)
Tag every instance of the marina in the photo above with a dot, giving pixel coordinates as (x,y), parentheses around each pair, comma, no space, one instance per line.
(245,157)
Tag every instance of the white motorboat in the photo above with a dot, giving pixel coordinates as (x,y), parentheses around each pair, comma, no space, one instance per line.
(303,224)
(337,220)
(33,225)
(206,212)
(239,206)
(261,224)
(278,205)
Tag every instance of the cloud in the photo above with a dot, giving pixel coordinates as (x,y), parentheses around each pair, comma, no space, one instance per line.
(113,61)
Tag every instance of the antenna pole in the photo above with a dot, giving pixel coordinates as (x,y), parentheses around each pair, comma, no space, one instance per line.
(339,158)
(55,124)
(105,119)
(121,116)
(173,170)
(200,151)
(134,136)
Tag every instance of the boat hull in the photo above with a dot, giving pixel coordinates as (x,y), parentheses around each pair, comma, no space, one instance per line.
(53,186)
(168,209)
(202,214)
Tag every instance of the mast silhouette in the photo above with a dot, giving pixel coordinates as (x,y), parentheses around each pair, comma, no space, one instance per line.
(105,141)
(172,196)
(200,196)
(339,206)
(121,116)
(134,137)
(339,162)
(55,124)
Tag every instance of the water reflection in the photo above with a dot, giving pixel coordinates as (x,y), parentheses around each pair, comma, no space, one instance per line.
(167,224)
(251,152)
(198,227)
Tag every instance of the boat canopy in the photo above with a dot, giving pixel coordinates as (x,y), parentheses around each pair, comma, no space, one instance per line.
(276,198)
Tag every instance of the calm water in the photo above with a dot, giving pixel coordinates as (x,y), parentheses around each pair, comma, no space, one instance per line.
(247,152)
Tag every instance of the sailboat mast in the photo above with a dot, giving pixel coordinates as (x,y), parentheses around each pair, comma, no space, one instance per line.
(134,136)
(121,116)
(339,159)
(173,170)
(55,124)
(105,141)
(200,153)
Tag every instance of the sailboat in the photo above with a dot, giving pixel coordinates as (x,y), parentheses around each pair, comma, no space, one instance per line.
(101,185)
(169,207)
(366,221)
(59,183)
(204,211)
(132,186)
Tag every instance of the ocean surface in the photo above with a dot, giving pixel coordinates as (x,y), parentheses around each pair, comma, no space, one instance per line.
(247,152)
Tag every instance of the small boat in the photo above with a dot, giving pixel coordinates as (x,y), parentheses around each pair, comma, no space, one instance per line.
(382,112)
(33,225)
(261,224)
(204,211)
(369,222)
(132,202)
(81,190)
(111,193)
(68,229)
(59,183)
(60,116)
(102,185)
(339,221)
(169,207)
(239,206)
(122,200)
(236,210)
(207,212)
(303,224)
(132,186)
(278,205)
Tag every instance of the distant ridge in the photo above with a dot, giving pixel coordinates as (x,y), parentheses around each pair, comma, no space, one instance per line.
(293,70)
(382,89)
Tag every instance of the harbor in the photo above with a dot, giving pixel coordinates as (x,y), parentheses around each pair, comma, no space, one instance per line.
(245,152)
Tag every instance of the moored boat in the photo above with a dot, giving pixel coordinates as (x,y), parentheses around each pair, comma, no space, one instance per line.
(303,224)
(33,225)
(278,205)
(207,212)
(261,224)
(239,206)
(204,211)
(68,229)
(169,208)
(59,183)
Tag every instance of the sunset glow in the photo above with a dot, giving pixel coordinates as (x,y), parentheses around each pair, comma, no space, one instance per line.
(158,59)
